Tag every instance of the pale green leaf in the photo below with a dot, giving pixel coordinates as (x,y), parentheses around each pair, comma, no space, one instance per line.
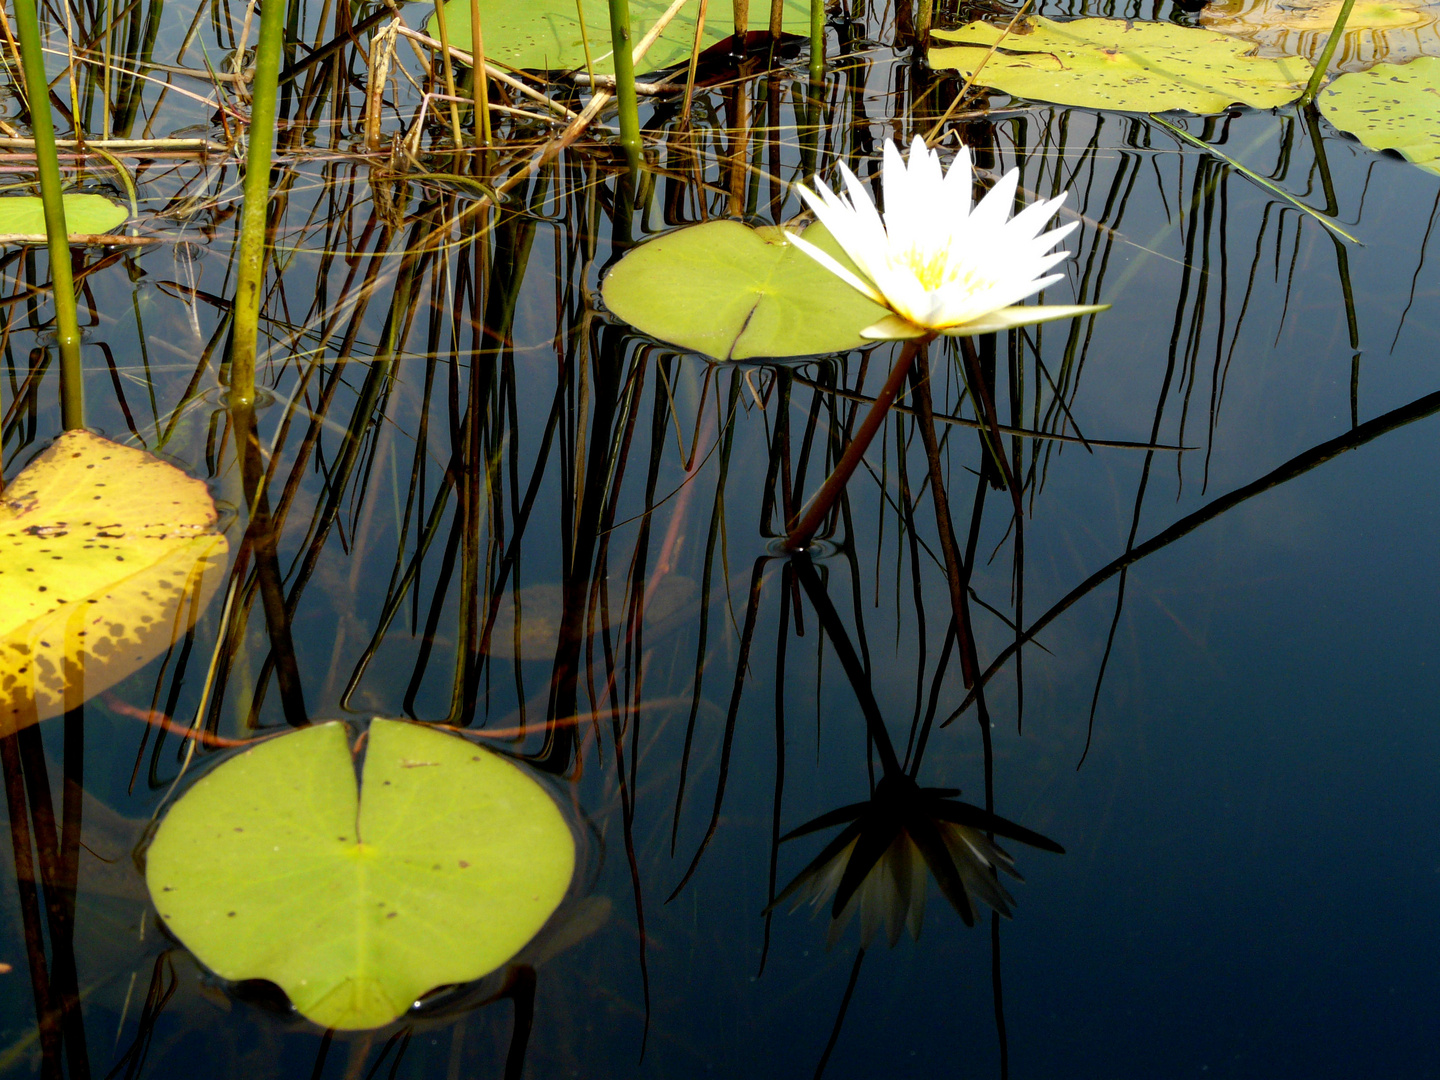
(22,217)
(736,293)
(1390,107)
(356,900)
(1121,65)
(107,557)
(544,35)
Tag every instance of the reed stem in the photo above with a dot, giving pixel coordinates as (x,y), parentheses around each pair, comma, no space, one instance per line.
(625,81)
(57,236)
(250,276)
(481,86)
(817,41)
(1322,65)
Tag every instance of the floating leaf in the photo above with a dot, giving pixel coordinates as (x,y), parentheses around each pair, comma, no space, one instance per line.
(733,293)
(1390,107)
(542,609)
(1376,31)
(22,217)
(1121,65)
(107,556)
(356,901)
(544,35)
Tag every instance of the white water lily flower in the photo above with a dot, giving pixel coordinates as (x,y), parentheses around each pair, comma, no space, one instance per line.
(938,263)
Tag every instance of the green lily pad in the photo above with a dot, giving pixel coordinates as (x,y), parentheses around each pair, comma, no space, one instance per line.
(356,902)
(22,217)
(1390,107)
(734,293)
(1376,31)
(107,557)
(544,35)
(1121,65)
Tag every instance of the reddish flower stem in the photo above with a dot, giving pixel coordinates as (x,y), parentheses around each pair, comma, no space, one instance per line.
(820,504)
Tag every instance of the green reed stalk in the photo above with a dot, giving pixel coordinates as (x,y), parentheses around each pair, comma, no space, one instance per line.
(817,41)
(57,236)
(250,279)
(1322,65)
(625,80)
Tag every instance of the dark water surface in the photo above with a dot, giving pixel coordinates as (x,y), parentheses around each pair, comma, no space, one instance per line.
(1252,878)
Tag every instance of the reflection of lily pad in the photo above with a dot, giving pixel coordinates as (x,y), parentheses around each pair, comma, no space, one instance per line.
(275,866)
(542,609)
(1121,65)
(1390,107)
(22,217)
(732,292)
(107,556)
(544,35)
(1376,31)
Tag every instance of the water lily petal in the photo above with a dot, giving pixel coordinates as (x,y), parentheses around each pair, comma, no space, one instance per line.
(1028,222)
(995,207)
(893,328)
(1011,317)
(834,267)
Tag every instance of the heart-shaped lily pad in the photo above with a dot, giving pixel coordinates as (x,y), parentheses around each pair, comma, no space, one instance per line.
(734,293)
(22,217)
(1390,107)
(1121,65)
(356,901)
(107,556)
(1376,31)
(544,35)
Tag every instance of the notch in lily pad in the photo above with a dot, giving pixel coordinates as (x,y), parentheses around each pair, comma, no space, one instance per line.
(437,868)
(1120,65)
(22,218)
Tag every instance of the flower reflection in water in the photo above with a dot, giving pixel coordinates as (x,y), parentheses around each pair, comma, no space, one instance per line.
(877,863)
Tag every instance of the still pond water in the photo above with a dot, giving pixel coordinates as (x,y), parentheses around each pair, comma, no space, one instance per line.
(1227,715)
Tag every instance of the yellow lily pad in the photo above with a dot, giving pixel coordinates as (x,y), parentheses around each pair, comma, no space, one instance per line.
(1377,31)
(107,556)
(1121,65)
(1390,107)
